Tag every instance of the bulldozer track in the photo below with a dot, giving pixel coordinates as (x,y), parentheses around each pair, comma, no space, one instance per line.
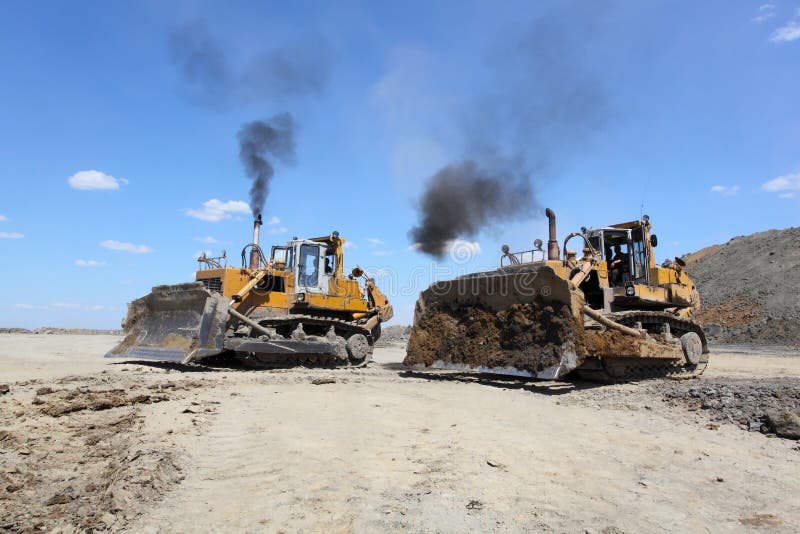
(280,361)
(630,369)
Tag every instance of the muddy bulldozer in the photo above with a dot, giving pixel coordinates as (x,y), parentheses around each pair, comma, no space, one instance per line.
(293,307)
(609,315)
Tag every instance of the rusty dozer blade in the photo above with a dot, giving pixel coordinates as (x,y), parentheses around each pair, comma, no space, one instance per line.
(521,320)
(178,323)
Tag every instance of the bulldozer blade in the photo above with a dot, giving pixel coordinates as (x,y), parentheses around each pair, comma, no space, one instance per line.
(179,323)
(523,320)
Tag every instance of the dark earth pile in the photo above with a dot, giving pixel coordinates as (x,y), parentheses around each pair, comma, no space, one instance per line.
(769,405)
(526,337)
(750,288)
(394,335)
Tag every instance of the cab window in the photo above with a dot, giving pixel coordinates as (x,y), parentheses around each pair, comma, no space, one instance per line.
(308,265)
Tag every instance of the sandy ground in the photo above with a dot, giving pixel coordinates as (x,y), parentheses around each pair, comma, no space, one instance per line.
(92,443)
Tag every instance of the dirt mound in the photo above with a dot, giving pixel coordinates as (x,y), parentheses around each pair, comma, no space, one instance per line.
(394,335)
(529,338)
(750,288)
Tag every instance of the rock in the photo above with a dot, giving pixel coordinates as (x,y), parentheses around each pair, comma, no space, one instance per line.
(754,426)
(4,389)
(62,497)
(494,463)
(785,424)
(474,505)
(44,391)
(319,381)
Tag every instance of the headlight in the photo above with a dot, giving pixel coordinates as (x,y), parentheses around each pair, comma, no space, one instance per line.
(301,297)
(630,291)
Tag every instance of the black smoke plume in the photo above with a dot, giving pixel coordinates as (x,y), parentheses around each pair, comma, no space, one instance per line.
(544,104)
(208,78)
(261,143)
(461,198)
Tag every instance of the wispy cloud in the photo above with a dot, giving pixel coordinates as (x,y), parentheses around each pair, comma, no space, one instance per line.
(374,241)
(786,33)
(89,263)
(273,220)
(125,247)
(381,252)
(3,218)
(350,244)
(215,210)
(11,235)
(787,186)
(277,230)
(208,240)
(765,11)
(725,190)
(94,181)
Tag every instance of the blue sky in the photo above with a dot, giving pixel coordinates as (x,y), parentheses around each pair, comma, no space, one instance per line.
(701,126)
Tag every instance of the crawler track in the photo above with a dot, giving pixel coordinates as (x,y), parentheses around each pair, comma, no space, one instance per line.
(627,369)
(313,325)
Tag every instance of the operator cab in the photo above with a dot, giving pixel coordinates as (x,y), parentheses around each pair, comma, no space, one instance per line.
(315,262)
(630,238)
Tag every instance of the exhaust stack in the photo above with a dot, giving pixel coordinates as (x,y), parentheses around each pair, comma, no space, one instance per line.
(552,242)
(255,257)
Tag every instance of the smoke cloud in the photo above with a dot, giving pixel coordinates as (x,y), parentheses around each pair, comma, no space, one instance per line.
(261,144)
(461,198)
(545,104)
(208,78)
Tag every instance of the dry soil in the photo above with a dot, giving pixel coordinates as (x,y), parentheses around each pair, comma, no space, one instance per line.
(88,443)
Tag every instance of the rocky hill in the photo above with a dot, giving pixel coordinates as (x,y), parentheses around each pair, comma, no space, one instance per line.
(750,288)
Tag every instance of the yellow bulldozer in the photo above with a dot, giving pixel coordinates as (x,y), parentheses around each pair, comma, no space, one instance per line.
(611,314)
(294,306)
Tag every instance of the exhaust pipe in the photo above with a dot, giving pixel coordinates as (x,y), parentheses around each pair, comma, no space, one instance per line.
(552,242)
(255,257)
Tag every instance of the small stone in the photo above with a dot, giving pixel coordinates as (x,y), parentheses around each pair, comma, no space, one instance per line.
(320,381)
(4,389)
(720,479)
(494,463)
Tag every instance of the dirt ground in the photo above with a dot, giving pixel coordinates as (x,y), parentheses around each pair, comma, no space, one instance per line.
(89,443)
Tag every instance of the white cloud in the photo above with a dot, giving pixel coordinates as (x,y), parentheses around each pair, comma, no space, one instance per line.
(725,190)
(273,220)
(89,263)
(415,246)
(94,180)
(374,241)
(382,252)
(349,244)
(462,251)
(11,235)
(125,247)
(789,195)
(787,182)
(24,306)
(215,210)
(65,305)
(765,12)
(3,218)
(786,33)
(97,307)
(208,240)
(279,230)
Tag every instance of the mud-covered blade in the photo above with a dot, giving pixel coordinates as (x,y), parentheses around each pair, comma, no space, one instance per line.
(524,321)
(179,323)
